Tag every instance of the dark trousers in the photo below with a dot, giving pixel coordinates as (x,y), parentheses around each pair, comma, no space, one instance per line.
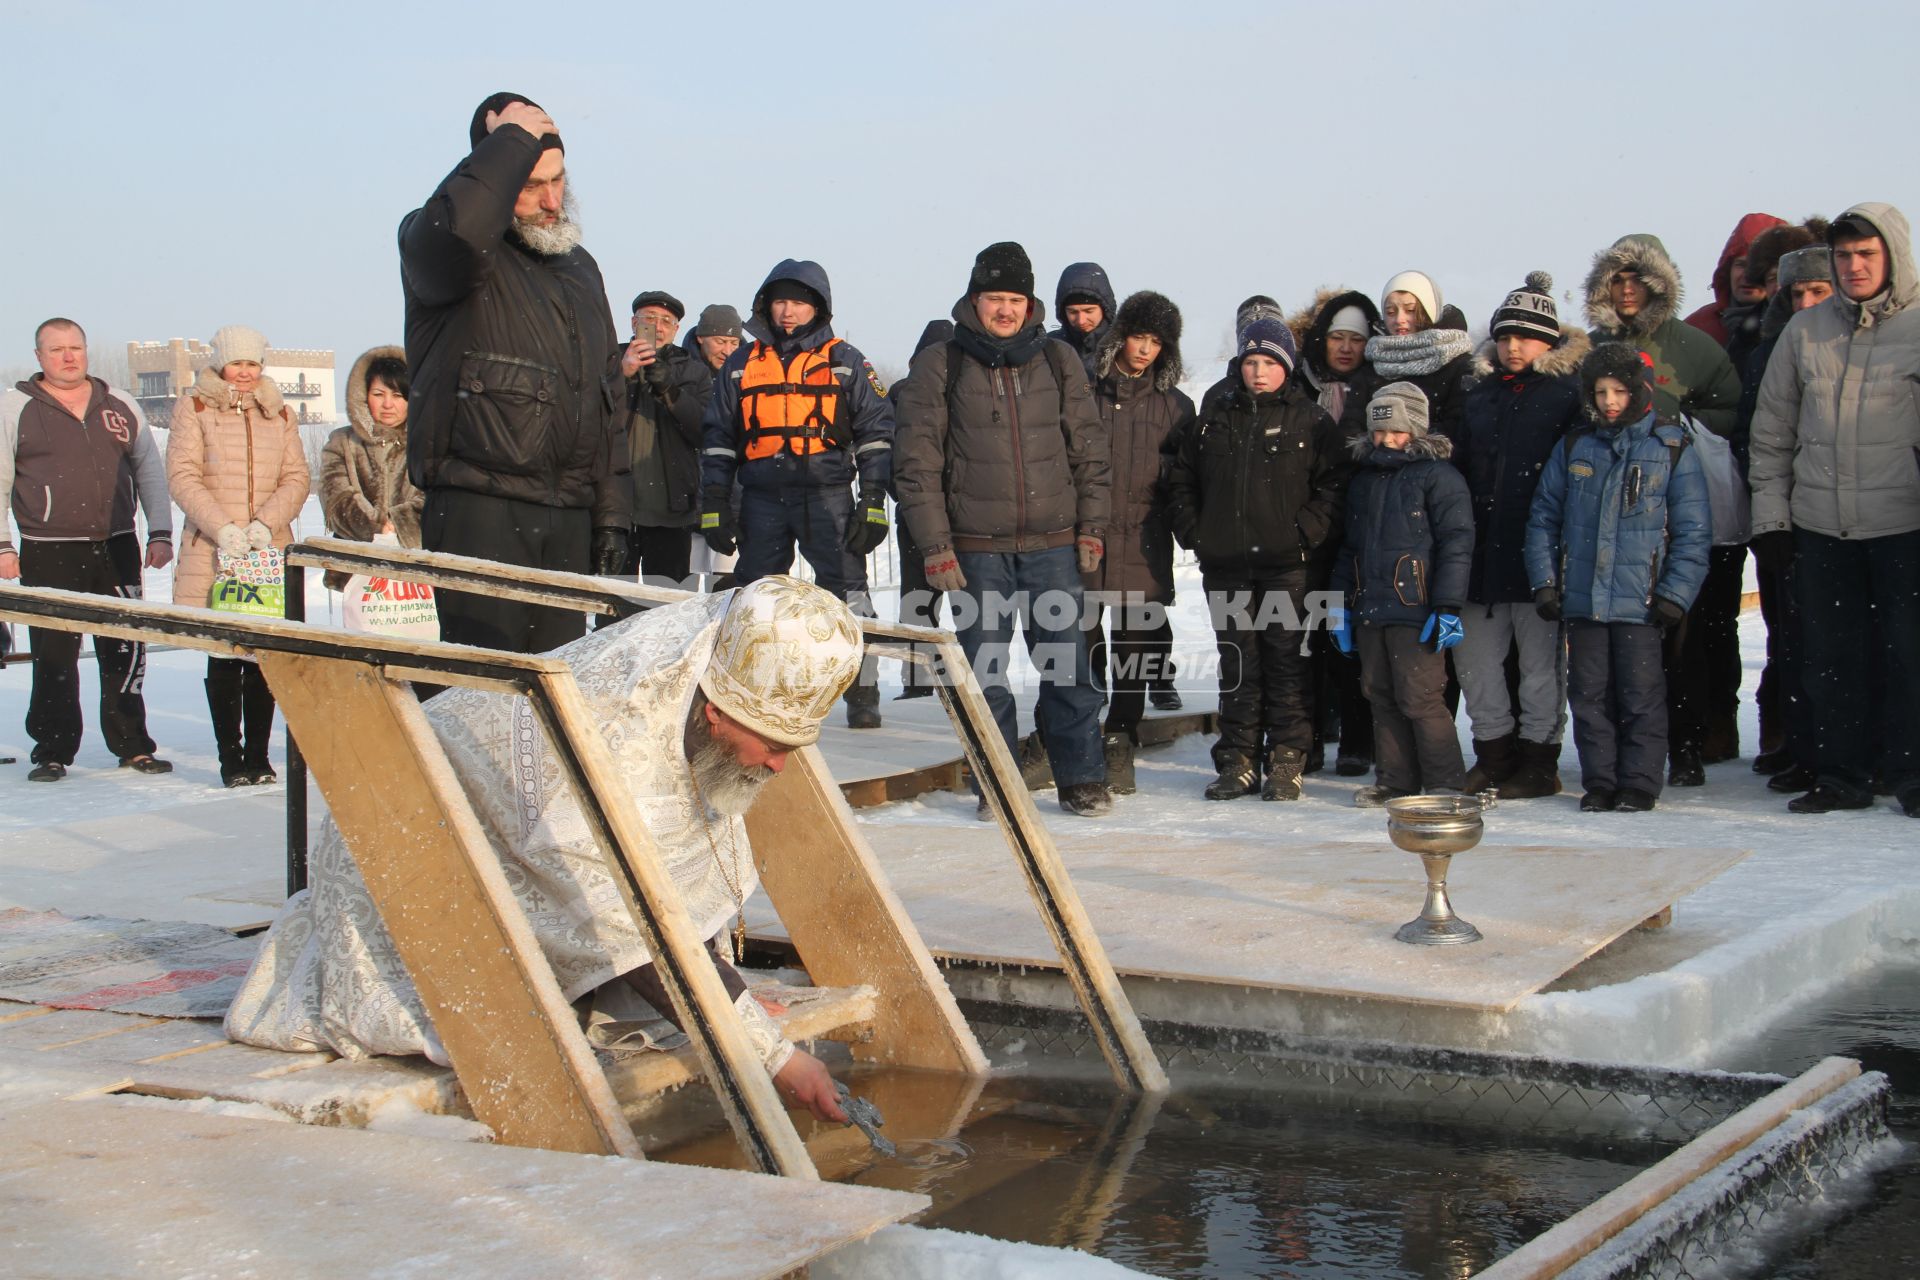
(510,532)
(773,522)
(1617,688)
(1782,699)
(662,556)
(107,568)
(1263,673)
(1860,631)
(1703,659)
(1043,592)
(919,602)
(1138,656)
(1414,742)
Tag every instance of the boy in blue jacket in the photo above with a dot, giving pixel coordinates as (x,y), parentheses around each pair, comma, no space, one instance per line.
(1403,569)
(1617,546)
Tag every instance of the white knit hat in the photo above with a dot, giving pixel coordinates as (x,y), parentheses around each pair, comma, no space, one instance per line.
(1350,319)
(786,652)
(1421,286)
(237,342)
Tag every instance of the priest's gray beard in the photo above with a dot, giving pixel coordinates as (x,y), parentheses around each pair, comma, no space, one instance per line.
(728,787)
(558,237)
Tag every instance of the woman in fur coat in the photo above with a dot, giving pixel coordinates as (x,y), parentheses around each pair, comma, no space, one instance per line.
(238,471)
(364,489)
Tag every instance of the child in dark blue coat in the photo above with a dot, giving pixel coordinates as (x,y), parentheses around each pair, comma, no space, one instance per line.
(1617,545)
(1403,569)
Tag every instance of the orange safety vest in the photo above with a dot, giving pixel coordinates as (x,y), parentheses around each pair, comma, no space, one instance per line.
(792,407)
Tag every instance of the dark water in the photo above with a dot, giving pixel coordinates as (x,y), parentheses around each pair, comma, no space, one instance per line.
(1875,1230)
(1232,1178)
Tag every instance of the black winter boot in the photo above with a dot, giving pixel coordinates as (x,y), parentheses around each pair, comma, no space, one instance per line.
(256,708)
(1687,768)
(1238,775)
(223,706)
(1118,748)
(1494,761)
(1035,769)
(1283,773)
(1538,774)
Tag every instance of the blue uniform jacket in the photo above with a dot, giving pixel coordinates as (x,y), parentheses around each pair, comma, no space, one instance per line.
(1409,534)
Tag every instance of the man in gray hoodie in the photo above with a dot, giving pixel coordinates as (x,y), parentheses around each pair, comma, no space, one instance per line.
(1836,496)
(74,456)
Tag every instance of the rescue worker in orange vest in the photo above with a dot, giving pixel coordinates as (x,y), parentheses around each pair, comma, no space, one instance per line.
(799,418)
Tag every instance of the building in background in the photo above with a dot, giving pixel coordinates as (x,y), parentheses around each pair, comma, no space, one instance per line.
(160,371)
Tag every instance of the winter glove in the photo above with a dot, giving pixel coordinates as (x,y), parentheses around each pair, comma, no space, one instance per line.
(259,537)
(717,524)
(1089,547)
(1443,630)
(232,539)
(943,570)
(1665,614)
(610,550)
(867,526)
(1546,603)
(1340,627)
(655,376)
(1773,551)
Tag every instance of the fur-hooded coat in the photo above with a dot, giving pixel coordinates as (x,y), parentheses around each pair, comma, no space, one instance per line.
(1310,326)
(1691,373)
(1409,533)
(1144,418)
(363,471)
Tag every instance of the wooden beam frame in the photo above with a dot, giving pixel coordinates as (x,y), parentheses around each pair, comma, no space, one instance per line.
(1115,1025)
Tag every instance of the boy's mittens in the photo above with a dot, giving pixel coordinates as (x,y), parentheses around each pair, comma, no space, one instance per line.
(1340,627)
(1546,603)
(1443,630)
(1665,614)
(943,570)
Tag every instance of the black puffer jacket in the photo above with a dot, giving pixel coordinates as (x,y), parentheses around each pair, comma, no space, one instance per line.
(1439,361)
(670,410)
(1140,414)
(1013,460)
(1409,534)
(514,359)
(1256,486)
(1511,423)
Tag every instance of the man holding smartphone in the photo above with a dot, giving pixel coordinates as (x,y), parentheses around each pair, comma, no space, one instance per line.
(667,394)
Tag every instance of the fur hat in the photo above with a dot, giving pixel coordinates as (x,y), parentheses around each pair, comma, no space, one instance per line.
(1266,335)
(1421,286)
(237,342)
(660,298)
(1626,364)
(1398,406)
(1001,268)
(1150,313)
(1814,262)
(719,321)
(786,652)
(497,101)
(1775,243)
(1529,311)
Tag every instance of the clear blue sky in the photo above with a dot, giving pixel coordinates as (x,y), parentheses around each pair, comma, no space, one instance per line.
(175,168)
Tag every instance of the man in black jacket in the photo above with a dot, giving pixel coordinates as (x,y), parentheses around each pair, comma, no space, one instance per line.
(668,388)
(515,434)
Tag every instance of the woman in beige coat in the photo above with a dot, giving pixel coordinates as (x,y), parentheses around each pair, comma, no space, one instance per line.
(238,472)
(364,489)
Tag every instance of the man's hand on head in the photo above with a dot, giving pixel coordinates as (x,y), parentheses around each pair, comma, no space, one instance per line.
(532,119)
(804,1082)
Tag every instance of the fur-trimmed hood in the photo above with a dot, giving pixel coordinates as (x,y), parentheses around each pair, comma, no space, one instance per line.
(1563,359)
(1311,324)
(1415,355)
(1646,255)
(1428,445)
(1145,312)
(359,417)
(219,393)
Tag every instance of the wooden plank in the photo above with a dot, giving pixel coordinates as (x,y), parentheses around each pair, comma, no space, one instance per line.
(106,1187)
(443,896)
(817,1015)
(1115,1027)
(1566,1242)
(718,1036)
(847,922)
(330,1092)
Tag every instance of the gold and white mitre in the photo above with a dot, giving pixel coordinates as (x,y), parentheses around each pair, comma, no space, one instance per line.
(785,653)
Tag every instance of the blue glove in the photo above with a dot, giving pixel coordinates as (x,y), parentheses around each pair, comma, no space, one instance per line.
(1340,627)
(1443,629)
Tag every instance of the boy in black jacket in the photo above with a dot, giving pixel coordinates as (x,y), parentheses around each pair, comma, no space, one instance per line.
(1409,546)
(1254,489)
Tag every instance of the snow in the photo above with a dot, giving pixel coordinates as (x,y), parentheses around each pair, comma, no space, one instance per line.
(931,1254)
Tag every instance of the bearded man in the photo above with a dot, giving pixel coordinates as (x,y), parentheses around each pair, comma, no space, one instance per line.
(515,433)
(702,700)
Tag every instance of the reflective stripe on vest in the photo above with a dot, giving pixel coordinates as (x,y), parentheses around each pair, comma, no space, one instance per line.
(792,407)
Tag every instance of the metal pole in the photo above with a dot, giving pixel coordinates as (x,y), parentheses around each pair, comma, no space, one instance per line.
(296,590)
